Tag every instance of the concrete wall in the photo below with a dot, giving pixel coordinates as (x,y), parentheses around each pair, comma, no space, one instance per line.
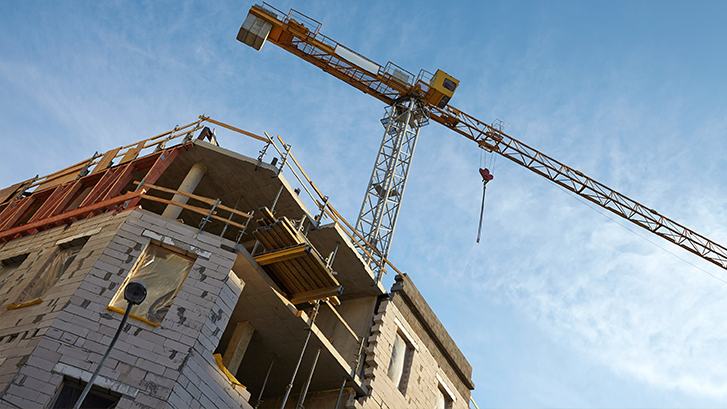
(357,313)
(166,366)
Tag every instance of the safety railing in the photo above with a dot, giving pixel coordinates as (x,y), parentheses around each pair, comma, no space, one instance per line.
(215,205)
(323,204)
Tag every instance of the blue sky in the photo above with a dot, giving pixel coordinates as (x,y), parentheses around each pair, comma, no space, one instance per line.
(558,306)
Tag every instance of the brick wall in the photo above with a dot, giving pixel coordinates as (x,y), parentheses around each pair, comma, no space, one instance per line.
(166,366)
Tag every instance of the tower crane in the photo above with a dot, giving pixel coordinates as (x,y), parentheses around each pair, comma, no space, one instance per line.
(412,102)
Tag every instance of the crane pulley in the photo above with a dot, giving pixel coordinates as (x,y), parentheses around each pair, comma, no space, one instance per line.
(413,101)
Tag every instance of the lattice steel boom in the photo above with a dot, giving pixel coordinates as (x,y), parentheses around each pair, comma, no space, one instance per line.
(299,35)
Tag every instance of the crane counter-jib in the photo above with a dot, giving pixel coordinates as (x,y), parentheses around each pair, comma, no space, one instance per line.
(387,83)
(299,35)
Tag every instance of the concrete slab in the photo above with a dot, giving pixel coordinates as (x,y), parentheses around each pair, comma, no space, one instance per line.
(230,176)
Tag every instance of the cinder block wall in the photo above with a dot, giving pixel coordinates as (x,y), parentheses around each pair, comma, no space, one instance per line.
(420,375)
(65,336)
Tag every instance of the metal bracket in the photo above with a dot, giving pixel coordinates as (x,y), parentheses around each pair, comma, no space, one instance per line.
(224,229)
(206,219)
(84,171)
(284,159)
(262,155)
(332,256)
(163,144)
(323,212)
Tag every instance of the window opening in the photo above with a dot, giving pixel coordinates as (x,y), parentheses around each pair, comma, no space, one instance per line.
(400,361)
(443,401)
(445,398)
(52,272)
(96,398)
(163,271)
(8,267)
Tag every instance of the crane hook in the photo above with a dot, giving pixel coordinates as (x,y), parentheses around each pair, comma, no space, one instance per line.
(486,177)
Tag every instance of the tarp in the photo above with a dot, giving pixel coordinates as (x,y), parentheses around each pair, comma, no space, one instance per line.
(53,272)
(163,271)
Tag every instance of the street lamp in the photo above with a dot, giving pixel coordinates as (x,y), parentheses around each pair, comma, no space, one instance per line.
(134,293)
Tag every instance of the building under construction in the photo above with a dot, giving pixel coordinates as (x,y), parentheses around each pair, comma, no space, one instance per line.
(254,299)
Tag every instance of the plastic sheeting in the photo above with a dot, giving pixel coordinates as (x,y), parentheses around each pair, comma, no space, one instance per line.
(52,272)
(6,272)
(398,357)
(163,272)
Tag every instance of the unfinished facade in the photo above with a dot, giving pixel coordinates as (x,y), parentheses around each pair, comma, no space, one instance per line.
(254,300)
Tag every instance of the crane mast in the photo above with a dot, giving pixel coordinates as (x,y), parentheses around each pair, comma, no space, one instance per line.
(412,102)
(380,209)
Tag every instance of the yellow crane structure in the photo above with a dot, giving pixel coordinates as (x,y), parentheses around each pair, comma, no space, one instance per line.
(412,101)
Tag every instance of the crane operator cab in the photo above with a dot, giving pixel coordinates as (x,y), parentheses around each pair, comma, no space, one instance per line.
(441,89)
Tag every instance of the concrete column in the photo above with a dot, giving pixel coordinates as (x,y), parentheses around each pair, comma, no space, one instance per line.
(238,345)
(188,185)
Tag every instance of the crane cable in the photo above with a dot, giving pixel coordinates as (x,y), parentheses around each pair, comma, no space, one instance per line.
(486,177)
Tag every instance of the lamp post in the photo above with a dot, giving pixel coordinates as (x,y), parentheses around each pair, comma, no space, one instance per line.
(134,293)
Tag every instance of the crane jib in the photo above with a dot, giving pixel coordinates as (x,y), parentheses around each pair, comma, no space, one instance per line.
(389,83)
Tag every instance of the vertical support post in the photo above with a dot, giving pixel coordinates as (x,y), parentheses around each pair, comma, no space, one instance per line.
(304,392)
(300,359)
(190,182)
(265,382)
(272,208)
(224,229)
(340,393)
(237,346)
(242,231)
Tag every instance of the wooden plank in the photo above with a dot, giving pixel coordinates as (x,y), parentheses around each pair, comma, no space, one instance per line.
(160,165)
(262,238)
(199,198)
(68,197)
(316,295)
(277,256)
(50,203)
(232,128)
(318,266)
(279,238)
(66,175)
(302,171)
(121,181)
(72,215)
(306,273)
(292,281)
(15,211)
(106,180)
(106,160)
(191,208)
(293,266)
(11,191)
(132,153)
